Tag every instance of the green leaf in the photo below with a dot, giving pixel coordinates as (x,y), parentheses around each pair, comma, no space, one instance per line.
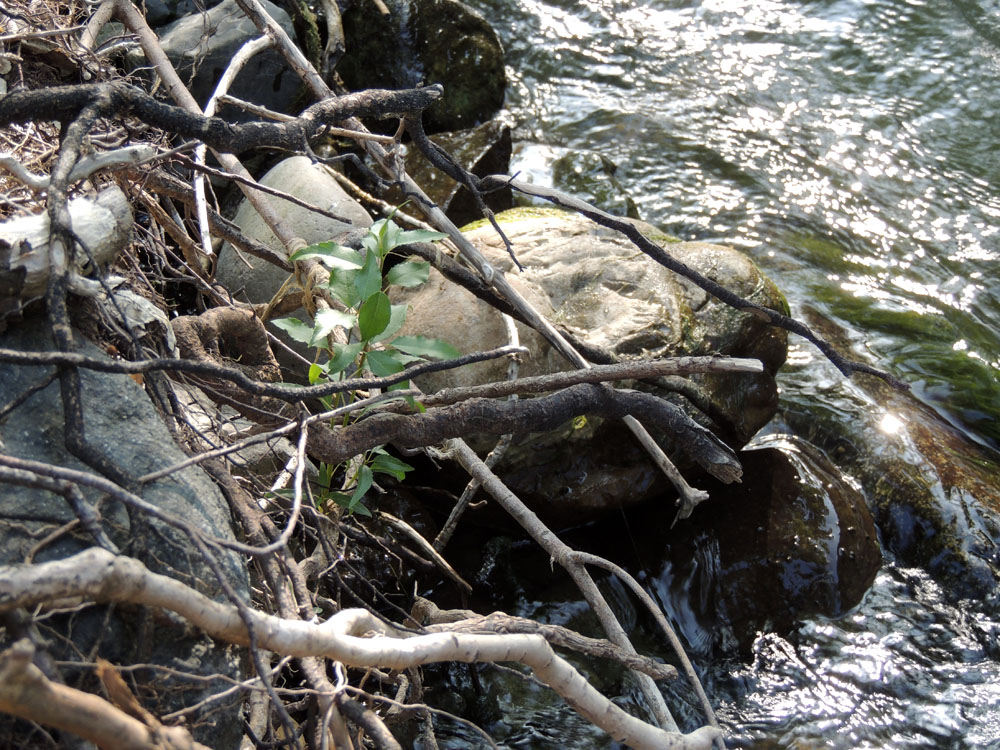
(326,472)
(342,356)
(295,328)
(365,479)
(409,273)
(386,464)
(397,316)
(419,235)
(360,509)
(315,371)
(369,279)
(326,321)
(421,346)
(343,285)
(383,363)
(374,315)
(331,255)
(388,237)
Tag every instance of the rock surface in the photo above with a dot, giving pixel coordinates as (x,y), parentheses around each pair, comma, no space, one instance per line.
(794,540)
(201,45)
(121,424)
(598,285)
(431,41)
(483,150)
(934,492)
(257,280)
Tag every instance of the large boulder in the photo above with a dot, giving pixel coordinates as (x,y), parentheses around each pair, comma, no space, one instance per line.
(422,42)
(598,285)
(934,492)
(122,425)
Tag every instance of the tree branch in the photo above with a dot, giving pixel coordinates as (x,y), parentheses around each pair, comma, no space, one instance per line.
(353,637)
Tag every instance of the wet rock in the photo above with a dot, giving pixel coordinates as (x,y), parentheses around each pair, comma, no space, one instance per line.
(483,150)
(423,42)
(121,424)
(160,12)
(599,286)
(201,45)
(934,492)
(794,540)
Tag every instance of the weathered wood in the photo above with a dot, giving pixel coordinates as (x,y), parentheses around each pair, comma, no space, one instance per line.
(102,225)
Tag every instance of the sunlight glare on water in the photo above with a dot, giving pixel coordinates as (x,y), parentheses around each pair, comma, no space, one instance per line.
(848,139)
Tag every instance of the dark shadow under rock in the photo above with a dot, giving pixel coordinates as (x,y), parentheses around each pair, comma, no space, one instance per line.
(422,42)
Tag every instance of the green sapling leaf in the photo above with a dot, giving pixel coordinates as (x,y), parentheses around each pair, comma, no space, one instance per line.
(422,346)
(343,355)
(343,286)
(409,273)
(388,237)
(296,329)
(326,321)
(374,315)
(386,464)
(368,280)
(331,255)
(419,235)
(383,363)
(315,371)
(397,316)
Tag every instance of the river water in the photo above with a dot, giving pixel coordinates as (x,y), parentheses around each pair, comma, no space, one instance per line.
(853,149)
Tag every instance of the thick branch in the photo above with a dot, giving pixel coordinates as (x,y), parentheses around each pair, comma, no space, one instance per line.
(27,693)
(530,415)
(65,103)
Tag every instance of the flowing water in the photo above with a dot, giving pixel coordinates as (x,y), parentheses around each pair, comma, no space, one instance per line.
(853,149)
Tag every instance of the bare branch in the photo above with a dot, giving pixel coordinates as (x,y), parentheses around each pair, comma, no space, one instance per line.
(353,637)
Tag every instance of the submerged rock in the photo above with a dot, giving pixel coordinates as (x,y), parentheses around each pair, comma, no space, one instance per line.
(422,42)
(934,492)
(602,288)
(122,425)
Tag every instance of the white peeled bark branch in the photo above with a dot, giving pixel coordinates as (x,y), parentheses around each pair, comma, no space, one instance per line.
(103,224)
(353,637)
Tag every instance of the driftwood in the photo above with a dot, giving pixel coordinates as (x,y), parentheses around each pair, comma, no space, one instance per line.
(102,225)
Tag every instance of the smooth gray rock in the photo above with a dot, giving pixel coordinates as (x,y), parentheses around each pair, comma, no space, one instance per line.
(201,45)
(121,423)
(256,280)
(602,288)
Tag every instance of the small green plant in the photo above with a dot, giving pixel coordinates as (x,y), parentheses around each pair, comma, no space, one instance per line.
(357,280)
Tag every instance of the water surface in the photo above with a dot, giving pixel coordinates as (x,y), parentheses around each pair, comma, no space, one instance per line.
(853,148)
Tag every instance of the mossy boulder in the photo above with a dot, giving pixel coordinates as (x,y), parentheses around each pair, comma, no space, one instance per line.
(601,288)
(934,492)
